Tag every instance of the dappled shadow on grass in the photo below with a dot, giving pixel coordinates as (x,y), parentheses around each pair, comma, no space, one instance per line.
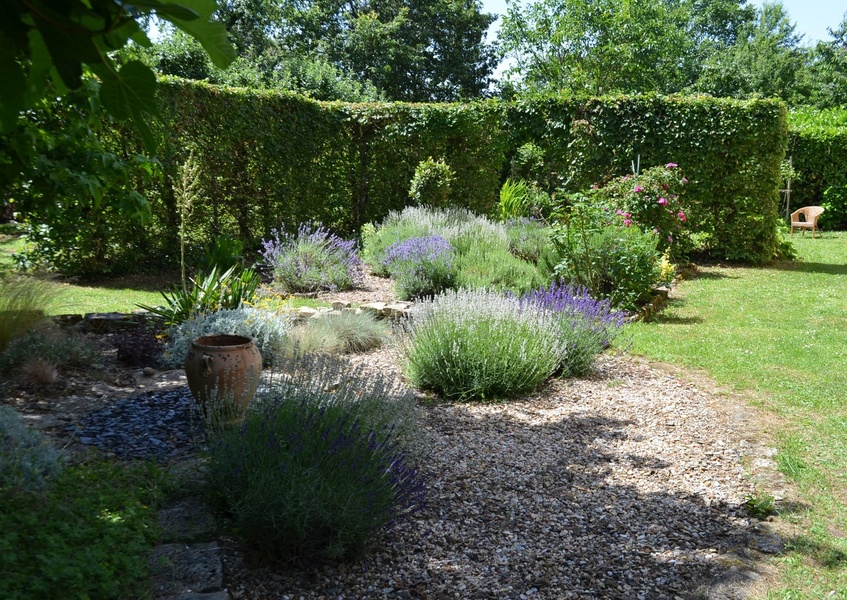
(822,553)
(144,282)
(669,315)
(810,267)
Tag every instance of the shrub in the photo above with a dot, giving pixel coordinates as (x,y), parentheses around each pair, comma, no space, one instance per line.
(519,199)
(414,221)
(587,326)
(320,464)
(225,252)
(139,347)
(431,183)
(57,347)
(28,461)
(207,293)
(267,329)
(421,266)
(529,239)
(477,344)
(335,333)
(23,301)
(87,536)
(313,260)
(495,269)
(603,251)
(652,200)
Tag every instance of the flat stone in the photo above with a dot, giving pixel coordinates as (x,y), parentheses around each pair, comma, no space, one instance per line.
(181,569)
(306,312)
(395,310)
(109,322)
(374,307)
(222,595)
(340,304)
(187,519)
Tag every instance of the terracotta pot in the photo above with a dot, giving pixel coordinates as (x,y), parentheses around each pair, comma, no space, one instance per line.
(223,370)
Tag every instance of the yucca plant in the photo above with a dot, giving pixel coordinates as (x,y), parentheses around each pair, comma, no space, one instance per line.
(207,293)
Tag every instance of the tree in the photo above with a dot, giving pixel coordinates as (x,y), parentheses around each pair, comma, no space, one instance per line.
(765,60)
(598,46)
(415,50)
(43,40)
(827,72)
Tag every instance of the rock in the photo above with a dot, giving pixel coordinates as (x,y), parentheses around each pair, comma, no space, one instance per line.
(340,305)
(222,595)
(148,371)
(374,307)
(396,310)
(187,519)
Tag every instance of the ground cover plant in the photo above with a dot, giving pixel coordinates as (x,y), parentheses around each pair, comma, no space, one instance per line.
(85,535)
(777,334)
(318,466)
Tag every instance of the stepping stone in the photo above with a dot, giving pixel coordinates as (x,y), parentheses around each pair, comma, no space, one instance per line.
(182,569)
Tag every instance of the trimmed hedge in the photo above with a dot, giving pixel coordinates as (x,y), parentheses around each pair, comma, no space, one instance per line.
(818,147)
(270,158)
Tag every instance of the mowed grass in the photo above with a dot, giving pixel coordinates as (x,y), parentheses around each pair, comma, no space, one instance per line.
(779,334)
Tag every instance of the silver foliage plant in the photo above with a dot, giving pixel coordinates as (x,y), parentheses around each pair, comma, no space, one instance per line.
(268,330)
(27,458)
(478,344)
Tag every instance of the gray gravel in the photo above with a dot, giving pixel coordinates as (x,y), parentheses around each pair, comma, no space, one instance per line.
(626,484)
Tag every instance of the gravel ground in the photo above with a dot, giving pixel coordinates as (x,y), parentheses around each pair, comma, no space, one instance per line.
(625,484)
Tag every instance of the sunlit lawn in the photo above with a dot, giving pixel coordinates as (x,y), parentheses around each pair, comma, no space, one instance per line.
(780,333)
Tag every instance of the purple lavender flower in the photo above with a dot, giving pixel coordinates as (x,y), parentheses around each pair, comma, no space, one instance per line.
(421,266)
(587,325)
(313,259)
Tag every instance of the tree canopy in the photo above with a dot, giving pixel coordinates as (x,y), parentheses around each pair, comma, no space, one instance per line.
(413,50)
(43,41)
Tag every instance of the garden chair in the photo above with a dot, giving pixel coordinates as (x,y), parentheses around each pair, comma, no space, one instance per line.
(810,216)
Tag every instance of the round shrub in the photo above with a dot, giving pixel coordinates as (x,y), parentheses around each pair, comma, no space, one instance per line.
(586,326)
(267,328)
(27,458)
(318,467)
(420,266)
(431,182)
(312,260)
(477,344)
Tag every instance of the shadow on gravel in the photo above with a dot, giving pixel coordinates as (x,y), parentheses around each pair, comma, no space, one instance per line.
(554,511)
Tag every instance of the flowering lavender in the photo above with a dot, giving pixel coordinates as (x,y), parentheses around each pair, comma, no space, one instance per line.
(586,325)
(317,469)
(312,260)
(478,344)
(421,266)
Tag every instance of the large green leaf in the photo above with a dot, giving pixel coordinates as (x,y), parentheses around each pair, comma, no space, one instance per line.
(211,34)
(131,94)
(39,68)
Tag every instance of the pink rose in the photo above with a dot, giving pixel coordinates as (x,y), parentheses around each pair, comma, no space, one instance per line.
(671,165)
(638,188)
(681,216)
(662,201)
(627,222)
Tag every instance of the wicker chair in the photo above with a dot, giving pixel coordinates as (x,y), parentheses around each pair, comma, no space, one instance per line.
(810,216)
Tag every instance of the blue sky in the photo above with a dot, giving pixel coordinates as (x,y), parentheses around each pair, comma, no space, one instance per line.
(811,16)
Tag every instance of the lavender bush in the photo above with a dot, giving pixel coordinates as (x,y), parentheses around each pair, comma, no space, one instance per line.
(478,344)
(318,467)
(312,260)
(586,326)
(420,266)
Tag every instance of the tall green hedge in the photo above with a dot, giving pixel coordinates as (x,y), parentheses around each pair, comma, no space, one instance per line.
(729,150)
(818,148)
(272,159)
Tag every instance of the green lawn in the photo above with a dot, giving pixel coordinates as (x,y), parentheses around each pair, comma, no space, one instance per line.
(780,333)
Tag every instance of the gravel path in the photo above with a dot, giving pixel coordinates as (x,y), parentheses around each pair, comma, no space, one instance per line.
(626,484)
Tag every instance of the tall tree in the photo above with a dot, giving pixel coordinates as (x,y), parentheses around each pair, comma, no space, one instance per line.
(765,60)
(827,72)
(416,50)
(597,46)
